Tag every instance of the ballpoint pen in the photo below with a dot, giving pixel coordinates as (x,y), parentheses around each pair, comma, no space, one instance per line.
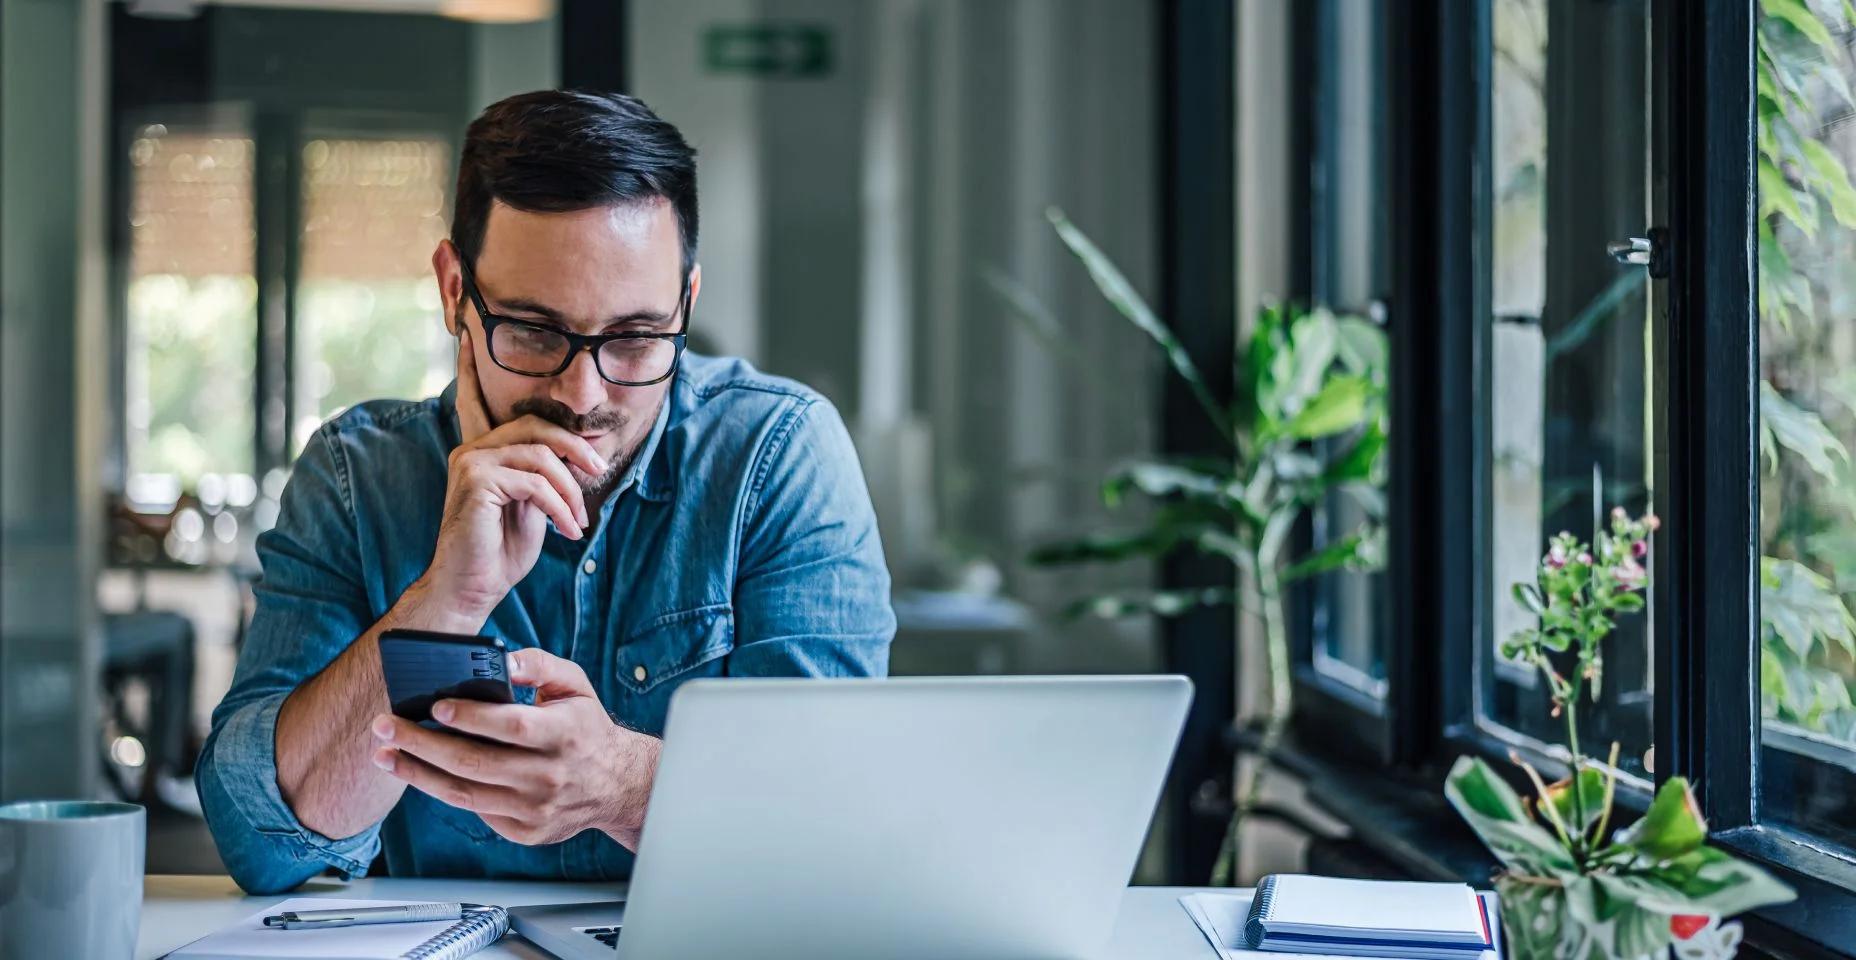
(410,913)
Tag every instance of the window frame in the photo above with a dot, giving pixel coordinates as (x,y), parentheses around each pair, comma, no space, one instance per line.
(1706,722)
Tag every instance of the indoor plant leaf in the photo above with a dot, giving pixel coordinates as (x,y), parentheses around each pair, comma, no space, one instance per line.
(1716,881)
(1496,813)
(1591,794)
(1671,827)
(1116,288)
(1340,405)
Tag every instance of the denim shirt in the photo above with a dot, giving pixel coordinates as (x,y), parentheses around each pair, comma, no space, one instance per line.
(742,542)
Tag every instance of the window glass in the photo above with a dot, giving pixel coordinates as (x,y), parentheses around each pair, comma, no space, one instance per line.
(368,318)
(191,310)
(1807,419)
(1570,373)
(1351,274)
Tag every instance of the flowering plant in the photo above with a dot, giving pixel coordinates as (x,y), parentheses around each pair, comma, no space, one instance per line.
(1574,889)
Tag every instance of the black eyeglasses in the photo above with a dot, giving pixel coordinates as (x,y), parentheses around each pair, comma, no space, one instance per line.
(536,350)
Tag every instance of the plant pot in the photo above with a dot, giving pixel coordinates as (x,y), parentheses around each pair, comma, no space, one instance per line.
(1540,922)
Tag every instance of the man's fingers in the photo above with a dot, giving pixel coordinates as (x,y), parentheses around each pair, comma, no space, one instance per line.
(473,413)
(539,492)
(568,445)
(478,763)
(536,458)
(448,788)
(555,677)
(516,724)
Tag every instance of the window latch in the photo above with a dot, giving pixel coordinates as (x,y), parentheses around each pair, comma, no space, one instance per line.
(1651,251)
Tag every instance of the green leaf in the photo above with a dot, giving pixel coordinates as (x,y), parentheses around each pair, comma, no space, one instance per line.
(1041,322)
(1106,547)
(1801,608)
(1671,827)
(1714,881)
(1776,195)
(1157,479)
(1362,550)
(1362,349)
(1313,340)
(1528,596)
(1495,812)
(1339,406)
(1591,794)
(1121,293)
(1833,182)
(1802,19)
(1363,460)
(1798,430)
(1639,914)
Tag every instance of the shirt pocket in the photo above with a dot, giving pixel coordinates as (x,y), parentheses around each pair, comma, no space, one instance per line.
(665,652)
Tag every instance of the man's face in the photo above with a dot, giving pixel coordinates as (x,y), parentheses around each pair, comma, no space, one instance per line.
(604,270)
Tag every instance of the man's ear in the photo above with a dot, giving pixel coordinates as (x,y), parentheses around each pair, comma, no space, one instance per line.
(695,283)
(450,283)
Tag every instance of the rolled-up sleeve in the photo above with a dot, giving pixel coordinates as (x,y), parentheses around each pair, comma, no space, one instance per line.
(311,605)
(812,595)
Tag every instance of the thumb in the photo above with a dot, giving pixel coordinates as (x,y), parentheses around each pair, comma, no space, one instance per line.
(553,678)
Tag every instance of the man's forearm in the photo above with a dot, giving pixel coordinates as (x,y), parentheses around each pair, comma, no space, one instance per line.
(324,748)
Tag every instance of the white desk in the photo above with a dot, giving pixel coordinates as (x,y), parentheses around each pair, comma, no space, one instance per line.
(178,910)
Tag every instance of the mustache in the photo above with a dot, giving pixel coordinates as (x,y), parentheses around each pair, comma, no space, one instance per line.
(597,420)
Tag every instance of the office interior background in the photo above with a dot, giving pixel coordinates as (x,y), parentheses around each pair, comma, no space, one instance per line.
(218,217)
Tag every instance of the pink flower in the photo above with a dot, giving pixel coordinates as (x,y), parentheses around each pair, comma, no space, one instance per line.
(1629,574)
(1617,513)
(1585,558)
(1651,521)
(1556,556)
(1639,549)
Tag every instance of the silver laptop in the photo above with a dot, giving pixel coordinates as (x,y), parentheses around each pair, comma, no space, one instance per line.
(972,818)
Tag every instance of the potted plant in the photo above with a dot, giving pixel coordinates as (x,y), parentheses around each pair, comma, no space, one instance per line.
(1306,420)
(1571,888)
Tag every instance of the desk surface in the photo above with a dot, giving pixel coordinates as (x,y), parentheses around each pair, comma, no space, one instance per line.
(178,910)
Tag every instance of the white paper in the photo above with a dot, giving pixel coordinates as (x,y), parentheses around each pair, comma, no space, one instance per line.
(1220,916)
(250,938)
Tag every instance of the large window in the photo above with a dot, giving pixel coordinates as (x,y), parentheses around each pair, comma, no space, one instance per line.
(367,318)
(192,307)
(1807,418)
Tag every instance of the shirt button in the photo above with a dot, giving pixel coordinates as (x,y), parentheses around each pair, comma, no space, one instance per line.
(589,566)
(638,673)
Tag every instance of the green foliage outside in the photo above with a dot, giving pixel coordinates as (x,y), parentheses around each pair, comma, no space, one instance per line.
(1807,304)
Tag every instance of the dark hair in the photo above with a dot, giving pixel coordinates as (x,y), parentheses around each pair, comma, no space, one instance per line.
(555,151)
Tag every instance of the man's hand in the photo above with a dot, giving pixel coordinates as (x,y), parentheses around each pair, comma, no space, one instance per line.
(505,484)
(559,767)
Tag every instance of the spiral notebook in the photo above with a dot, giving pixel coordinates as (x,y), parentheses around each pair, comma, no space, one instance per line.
(436,940)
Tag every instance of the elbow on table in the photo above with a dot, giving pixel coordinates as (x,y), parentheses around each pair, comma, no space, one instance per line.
(261,861)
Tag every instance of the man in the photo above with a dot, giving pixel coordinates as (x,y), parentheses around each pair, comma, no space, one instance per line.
(625,515)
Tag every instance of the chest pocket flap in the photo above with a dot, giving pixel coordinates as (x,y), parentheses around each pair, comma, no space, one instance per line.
(675,645)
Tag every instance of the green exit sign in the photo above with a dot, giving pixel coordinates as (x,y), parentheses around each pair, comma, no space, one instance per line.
(775,50)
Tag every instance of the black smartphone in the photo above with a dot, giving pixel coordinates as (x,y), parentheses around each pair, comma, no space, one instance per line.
(423,667)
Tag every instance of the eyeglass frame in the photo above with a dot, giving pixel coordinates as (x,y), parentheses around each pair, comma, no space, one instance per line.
(577,343)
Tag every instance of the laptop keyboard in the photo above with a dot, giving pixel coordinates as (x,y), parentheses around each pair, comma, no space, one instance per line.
(606,935)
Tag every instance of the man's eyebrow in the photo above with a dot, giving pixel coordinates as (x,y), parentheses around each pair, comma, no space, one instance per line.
(656,318)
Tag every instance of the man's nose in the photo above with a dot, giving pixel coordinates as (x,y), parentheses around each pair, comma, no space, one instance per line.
(580,386)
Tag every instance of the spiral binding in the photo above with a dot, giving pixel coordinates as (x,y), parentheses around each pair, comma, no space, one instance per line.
(1259,912)
(481,927)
